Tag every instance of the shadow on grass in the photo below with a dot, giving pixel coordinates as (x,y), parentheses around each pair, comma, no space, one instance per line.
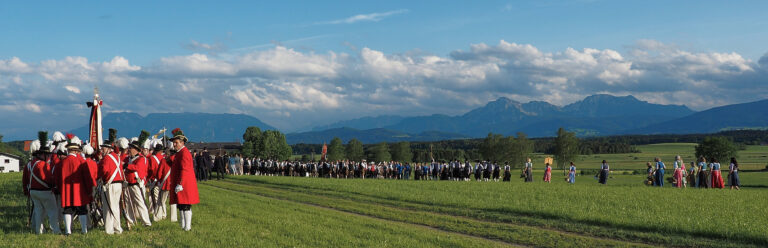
(499,214)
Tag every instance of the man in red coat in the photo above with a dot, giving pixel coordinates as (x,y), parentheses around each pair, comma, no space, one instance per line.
(110,173)
(135,175)
(162,173)
(38,183)
(183,179)
(74,181)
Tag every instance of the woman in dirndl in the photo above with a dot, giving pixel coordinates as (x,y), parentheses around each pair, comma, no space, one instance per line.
(604,170)
(678,173)
(734,174)
(528,171)
(717,178)
(572,173)
(547,173)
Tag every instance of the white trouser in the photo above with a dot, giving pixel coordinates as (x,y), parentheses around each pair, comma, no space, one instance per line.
(152,198)
(137,206)
(160,210)
(110,208)
(44,203)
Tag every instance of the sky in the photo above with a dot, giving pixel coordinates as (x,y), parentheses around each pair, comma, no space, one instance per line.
(298,64)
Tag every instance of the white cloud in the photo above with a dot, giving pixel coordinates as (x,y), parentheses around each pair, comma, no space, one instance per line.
(371,17)
(294,88)
(72,89)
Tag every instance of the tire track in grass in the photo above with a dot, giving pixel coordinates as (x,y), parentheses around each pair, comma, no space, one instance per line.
(636,237)
(499,242)
(525,234)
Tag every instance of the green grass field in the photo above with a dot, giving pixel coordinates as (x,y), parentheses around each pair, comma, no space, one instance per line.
(257,211)
(753,158)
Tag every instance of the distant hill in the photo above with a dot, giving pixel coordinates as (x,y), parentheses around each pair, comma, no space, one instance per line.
(752,115)
(197,126)
(364,122)
(594,116)
(367,136)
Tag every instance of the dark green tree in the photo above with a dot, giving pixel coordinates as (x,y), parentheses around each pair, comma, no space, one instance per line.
(718,147)
(401,151)
(355,150)
(381,153)
(566,147)
(522,147)
(336,150)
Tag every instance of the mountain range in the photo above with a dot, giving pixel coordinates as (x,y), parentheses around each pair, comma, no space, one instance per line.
(198,126)
(597,115)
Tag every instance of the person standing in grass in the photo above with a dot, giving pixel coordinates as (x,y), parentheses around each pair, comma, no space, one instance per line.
(704,181)
(604,171)
(528,170)
(716,178)
(185,193)
(692,176)
(547,173)
(678,173)
(572,173)
(659,172)
(507,173)
(733,174)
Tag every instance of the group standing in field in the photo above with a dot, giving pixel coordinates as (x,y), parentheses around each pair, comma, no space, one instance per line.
(100,184)
(699,175)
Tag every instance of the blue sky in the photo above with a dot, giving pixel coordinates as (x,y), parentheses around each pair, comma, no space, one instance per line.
(295,64)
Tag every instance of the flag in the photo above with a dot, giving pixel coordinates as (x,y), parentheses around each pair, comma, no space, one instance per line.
(94,131)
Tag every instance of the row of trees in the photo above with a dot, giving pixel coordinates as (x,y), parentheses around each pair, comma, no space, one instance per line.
(495,148)
(269,144)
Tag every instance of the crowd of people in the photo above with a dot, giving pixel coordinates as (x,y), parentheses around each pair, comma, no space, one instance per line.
(700,174)
(99,184)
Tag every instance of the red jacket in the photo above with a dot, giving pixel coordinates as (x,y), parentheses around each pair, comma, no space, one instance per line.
(107,166)
(74,180)
(161,170)
(43,172)
(135,166)
(151,168)
(183,173)
(93,171)
(25,177)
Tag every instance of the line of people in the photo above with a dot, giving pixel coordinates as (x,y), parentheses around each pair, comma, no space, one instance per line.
(134,179)
(700,174)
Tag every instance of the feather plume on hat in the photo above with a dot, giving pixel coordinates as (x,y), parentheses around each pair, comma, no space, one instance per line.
(58,137)
(122,142)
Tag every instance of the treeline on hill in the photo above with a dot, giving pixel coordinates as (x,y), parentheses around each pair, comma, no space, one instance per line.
(14,148)
(495,147)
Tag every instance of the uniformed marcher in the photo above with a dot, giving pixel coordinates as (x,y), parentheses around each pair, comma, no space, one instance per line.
(74,181)
(37,185)
(136,172)
(163,174)
(183,178)
(110,173)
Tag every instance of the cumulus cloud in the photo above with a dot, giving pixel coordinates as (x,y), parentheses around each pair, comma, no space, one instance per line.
(290,88)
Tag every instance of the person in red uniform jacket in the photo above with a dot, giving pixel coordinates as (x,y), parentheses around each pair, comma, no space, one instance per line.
(183,180)
(110,173)
(162,173)
(135,175)
(74,181)
(38,183)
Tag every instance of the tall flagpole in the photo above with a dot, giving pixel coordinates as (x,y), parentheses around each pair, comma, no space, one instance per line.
(95,129)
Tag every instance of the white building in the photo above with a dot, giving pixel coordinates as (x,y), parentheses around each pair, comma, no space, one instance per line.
(9,163)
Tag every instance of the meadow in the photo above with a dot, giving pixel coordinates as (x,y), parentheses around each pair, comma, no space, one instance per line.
(265,211)
(753,158)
